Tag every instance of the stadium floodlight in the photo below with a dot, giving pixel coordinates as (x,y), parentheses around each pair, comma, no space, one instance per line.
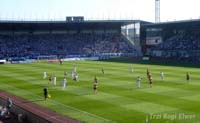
(157,11)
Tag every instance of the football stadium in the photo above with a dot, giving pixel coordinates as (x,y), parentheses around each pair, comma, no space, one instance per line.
(99,71)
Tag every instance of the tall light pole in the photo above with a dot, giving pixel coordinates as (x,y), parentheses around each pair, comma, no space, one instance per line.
(157,11)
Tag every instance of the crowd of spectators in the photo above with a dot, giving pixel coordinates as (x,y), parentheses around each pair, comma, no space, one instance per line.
(33,45)
(184,46)
(5,110)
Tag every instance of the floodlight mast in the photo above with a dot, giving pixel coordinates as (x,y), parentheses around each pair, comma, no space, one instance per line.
(157,11)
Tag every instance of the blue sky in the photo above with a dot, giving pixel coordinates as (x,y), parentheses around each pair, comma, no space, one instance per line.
(98,9)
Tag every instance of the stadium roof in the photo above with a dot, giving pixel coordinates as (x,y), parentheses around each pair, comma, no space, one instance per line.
(184,23)
(63,25)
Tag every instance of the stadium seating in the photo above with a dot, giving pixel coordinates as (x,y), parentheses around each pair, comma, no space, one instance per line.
(33,45)
(182,46)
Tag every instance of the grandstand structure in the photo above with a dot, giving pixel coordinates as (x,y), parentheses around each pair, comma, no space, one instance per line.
(79,37)
(31,39)
(178,40)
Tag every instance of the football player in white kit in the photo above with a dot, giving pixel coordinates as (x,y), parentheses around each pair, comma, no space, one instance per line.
(139,81)
(54,80)
(64,82)
(161,75)
(45,75)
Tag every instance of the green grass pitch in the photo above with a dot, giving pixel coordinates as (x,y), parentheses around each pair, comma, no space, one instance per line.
(118,99)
